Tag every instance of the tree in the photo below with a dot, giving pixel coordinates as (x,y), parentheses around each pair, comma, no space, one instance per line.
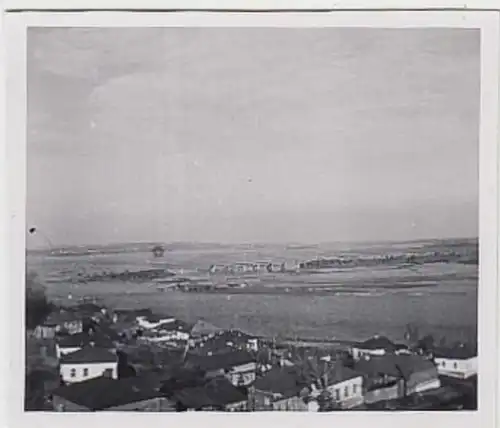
(37,305)
(426,343)
(412,335)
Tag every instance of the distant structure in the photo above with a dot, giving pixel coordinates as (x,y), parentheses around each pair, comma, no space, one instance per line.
(158,251)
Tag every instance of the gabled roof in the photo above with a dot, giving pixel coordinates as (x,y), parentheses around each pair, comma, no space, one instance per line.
(395,365)
(79,340)
(216,393)
(377,342)
(220,361)
(89,354)
(458,352)
(280,380)
(102,393)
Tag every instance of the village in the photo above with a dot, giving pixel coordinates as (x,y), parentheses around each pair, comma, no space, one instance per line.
(88,357)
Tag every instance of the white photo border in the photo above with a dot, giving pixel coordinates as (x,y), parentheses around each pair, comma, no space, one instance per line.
(15,26)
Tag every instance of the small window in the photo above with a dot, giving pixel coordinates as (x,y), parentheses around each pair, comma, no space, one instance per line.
(346,391)
(354,388)
(72,373)
(85,372)
(455,365)
(337,394)
(443,363)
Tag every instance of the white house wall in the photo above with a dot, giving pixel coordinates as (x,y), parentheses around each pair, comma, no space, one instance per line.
(462,369)
(357,353)
(354,396)
(244,373)
(94,370)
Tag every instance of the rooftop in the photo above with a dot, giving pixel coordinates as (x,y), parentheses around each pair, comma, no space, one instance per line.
(89,354)
(458,352)
(280,380)
(82,339)
(102,393)
(378,342)
(216,393)
(395,365)
(220,361)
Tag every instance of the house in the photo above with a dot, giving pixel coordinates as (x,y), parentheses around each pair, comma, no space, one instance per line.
(276,267)
(65,321)
(459,361)
(377,345)
(87,363)
(389,377)
(344,385)
(239,367)
(107,394)
(128,315)
(217,394)
(281,388)
(226,341)
(46,330)
(217,268)
(169,331)
(74,342)
(153,321)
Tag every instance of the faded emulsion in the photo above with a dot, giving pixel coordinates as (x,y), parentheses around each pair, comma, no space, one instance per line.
(252,219)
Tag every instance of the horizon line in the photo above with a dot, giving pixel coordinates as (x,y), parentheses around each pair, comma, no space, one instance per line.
(241,243)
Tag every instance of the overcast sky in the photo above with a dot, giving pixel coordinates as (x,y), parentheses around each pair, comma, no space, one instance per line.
(252,134)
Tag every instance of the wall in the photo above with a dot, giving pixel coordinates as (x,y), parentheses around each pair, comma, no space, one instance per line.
(237,407)
(357,353)
(382,394)
(94,370)
(73,327)
(244,373)
(423,381)
(292,404)
(463,369)
(354,396)
(45,332)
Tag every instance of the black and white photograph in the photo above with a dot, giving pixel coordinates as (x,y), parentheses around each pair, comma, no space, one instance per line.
(252,218)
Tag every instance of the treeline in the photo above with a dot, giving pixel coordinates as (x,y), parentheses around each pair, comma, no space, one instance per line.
(393,260)
(38,306)
(141,275)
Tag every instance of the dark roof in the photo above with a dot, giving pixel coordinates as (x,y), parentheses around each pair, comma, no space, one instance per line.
(83,339)
(395,365)
(378,342)
(88,308)
(458,352)
(401,346)
(280,380)
(220,361)
(176,325)
(103,392)
(339,373)
(89,354)
(216,393)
